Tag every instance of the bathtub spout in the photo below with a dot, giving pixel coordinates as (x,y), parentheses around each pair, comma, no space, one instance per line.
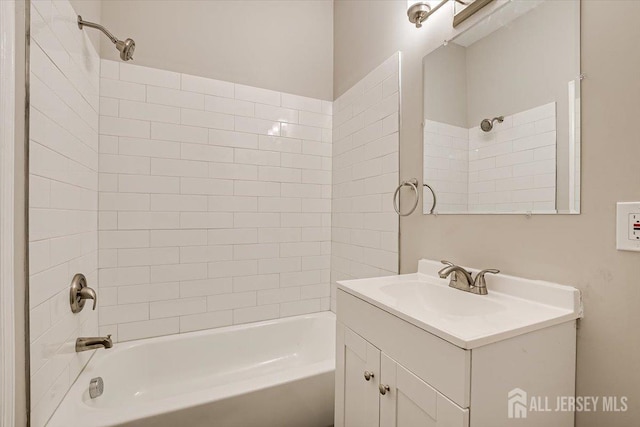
(89,343)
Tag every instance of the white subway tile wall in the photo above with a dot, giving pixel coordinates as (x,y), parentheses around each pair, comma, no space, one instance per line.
(446,167)
(509,169)
(215,203)
(63,198)
(364,233)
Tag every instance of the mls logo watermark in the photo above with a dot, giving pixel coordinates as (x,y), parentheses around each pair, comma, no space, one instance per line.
(520,404)
(517,403)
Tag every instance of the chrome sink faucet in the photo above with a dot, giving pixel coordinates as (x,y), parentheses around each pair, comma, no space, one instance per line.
(90,343)
(463,280)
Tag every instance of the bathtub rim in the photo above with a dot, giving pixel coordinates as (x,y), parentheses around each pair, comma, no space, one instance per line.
(73,404)
(121,346)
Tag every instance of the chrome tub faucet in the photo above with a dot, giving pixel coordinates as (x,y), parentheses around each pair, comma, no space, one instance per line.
(90,343)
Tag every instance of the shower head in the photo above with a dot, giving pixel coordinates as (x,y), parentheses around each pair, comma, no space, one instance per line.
(486,125)
(126,47)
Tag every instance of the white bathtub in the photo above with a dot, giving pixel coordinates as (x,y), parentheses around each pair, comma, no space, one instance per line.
(276,373)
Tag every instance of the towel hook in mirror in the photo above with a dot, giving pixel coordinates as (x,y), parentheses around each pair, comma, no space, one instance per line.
(433,193)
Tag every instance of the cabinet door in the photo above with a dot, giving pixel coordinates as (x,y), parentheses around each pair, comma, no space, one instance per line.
(357,401)
(410,402)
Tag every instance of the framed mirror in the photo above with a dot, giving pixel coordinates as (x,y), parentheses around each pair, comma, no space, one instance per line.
(501,111)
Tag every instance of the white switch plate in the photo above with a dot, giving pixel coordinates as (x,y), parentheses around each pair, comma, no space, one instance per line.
(628,226)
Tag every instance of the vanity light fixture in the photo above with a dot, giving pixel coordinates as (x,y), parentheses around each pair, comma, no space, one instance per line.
(419,11)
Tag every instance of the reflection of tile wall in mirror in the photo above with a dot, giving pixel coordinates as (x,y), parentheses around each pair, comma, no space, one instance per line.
(512,168)
(446,166)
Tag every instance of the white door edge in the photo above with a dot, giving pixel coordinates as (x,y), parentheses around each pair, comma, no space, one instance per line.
(7,170)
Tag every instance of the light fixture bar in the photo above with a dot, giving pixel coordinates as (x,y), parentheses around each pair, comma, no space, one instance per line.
(419,11)
(467,12)
(436,7)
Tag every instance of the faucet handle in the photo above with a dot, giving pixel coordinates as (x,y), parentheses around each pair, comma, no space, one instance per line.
(79,292)
(480,282)
(88,293)
(448,264)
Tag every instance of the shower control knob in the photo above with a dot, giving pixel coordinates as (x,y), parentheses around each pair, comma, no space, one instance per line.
(368,375)
(79,292)
(383,389)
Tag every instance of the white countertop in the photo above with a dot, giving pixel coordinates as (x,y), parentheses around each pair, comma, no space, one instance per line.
(514,306)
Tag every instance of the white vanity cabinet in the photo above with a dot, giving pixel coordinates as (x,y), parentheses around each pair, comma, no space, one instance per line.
(361,379)
(378,391)
(393,370)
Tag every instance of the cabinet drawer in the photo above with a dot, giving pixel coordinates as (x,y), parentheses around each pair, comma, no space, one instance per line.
(442,365)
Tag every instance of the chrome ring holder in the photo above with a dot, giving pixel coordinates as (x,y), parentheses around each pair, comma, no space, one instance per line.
(433,193)
(413,183)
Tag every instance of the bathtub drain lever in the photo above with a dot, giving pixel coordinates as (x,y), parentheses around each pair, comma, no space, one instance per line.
(96,387)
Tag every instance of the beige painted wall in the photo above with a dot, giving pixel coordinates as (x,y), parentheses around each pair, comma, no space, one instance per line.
(280,45)
(90,11)
(576,250)
(445,85)
(549,58)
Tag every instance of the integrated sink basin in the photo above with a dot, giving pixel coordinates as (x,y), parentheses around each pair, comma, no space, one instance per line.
(444,301)
(513,306)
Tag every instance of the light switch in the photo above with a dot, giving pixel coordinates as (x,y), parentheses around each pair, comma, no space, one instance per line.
(628,226)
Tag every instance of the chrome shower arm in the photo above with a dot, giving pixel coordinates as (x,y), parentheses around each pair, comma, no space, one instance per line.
(126,47)
(82,23)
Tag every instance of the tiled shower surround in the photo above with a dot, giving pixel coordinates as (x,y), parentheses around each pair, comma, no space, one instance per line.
(63,199)
(191,203)
(512,168)
(365,175)
(214,200)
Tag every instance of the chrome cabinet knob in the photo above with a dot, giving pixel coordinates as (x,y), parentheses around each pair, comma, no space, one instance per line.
(383,389)
(368,375)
